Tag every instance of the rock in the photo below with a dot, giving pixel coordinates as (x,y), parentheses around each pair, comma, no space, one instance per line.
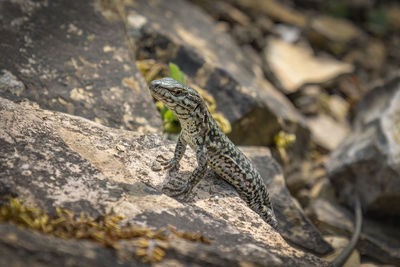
(335,29)
(66,56)
(330,217)
(337,35)
(372,56)
(322,189)
(374,264)
(326,132)
(304,174)
(214,62)
(307,99)
(312,100)
(367,162)
(379,239)
(294,66)
(228,12)
(288,34)
(275,10)
(393,15)
(352,87)
(337,107)
(303,196)
(265,24)
(53,159)
(375,55)
(248,35)
(25,248)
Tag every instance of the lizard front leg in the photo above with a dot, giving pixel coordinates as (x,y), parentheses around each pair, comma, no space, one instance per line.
(173,163)
(194,178)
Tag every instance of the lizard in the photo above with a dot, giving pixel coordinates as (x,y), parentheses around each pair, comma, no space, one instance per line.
(212,147)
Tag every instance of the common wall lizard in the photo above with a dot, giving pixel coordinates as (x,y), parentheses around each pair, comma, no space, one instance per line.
(212,147)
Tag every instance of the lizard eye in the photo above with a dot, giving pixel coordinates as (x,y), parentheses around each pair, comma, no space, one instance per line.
(178,93)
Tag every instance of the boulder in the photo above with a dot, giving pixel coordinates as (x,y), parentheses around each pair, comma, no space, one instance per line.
(326,132)
(66,56)
(20,247)
(335,30)
(367,162)
(292,66)
(275,10)
(51,159)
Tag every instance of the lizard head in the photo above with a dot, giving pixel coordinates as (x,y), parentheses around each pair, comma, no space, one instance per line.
(179,98)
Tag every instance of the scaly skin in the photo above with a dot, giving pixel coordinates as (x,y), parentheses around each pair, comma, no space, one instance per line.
(213,148)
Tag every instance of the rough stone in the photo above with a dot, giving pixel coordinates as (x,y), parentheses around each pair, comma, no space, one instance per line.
(307,98)
(368,161)
(25,248)
(379,239)
(337,107)
(255,109)
(335,29)
(322,189)
(248,35)
(66,56)
(372,56)
(326,132)
(375,55)
(305,174)
(52,159)
(393,14)
(275,10)
(292,66)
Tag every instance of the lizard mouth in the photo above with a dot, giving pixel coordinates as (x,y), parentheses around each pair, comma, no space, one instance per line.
(155,90)
(154,86)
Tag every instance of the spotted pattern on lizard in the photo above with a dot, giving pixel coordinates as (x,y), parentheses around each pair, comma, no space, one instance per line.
(213,148)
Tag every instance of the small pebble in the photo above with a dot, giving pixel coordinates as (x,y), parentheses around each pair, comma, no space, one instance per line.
(156,166)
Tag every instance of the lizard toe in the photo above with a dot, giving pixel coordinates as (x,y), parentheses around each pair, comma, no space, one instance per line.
(174,191)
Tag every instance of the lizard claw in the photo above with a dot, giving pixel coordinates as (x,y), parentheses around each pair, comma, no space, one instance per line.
(171,164)
(178,190)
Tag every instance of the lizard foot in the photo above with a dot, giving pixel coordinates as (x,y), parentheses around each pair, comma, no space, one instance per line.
(175,190)
(171,164)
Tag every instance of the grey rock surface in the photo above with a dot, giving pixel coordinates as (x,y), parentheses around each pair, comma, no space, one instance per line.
(25,248)
(292,66)
(52,159)
(367,162)
(66,56)
(327,132)
(189,38)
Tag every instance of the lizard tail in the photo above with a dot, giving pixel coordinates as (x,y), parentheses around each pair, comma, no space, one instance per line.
(346,252)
